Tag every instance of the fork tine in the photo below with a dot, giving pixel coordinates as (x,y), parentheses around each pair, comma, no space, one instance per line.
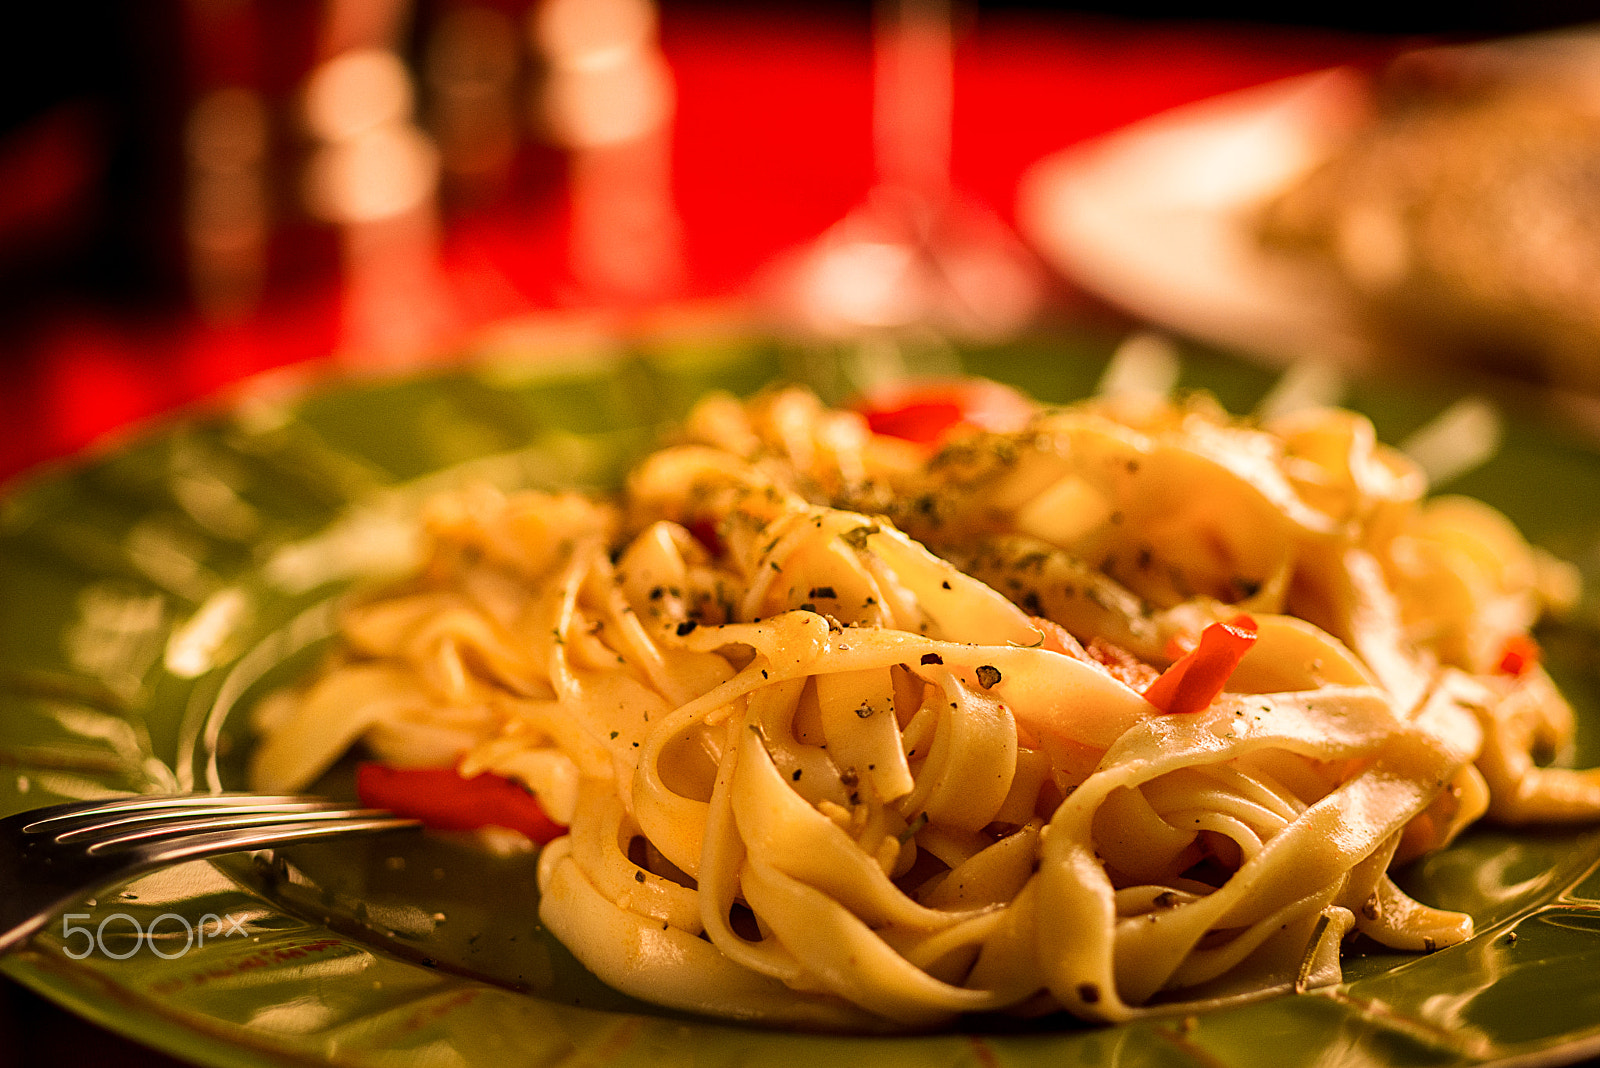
(100,843)
(190,847)
(58,816)
(115,836)
(89,827)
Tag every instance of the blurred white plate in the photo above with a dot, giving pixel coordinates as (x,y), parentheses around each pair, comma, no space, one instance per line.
(1157,218)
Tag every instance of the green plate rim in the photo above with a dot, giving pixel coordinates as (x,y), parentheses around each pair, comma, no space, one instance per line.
(683,363)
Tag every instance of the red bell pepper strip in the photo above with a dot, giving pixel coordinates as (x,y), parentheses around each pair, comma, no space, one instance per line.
(444,800)
(1519,656)
(923,413)
(920,422)
(704,530)
(1195,680)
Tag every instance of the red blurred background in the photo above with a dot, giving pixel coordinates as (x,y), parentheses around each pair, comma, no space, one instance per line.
(770,142)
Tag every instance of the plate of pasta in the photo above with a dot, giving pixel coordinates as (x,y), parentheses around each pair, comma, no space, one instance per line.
(765,708)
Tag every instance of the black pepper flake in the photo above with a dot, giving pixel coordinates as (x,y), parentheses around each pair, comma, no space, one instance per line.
(613,734)
(932,658)
(808,607)
(638,876)
(657,593)
(988,676)
(824,593)
(1089,993)
(865,711)
(1429,945)
(796,775)
(856,537)
(686,627)
(945,584)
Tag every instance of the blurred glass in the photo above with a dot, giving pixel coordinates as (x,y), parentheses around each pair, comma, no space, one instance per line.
(608,97)
(916,253)
(374,173)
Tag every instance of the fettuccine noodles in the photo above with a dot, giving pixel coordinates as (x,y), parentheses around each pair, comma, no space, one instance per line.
(850,734)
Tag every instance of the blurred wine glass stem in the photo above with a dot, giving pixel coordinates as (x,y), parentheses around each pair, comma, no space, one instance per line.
(913,87)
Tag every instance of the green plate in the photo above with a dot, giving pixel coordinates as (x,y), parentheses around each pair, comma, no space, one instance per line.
(152,592)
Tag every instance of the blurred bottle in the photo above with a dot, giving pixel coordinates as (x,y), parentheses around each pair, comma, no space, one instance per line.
(241,230)
(473,69)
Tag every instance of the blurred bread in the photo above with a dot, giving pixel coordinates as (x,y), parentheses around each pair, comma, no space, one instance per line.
(1466,214)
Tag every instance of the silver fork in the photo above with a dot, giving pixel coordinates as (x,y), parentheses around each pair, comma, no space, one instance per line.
(52,857)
